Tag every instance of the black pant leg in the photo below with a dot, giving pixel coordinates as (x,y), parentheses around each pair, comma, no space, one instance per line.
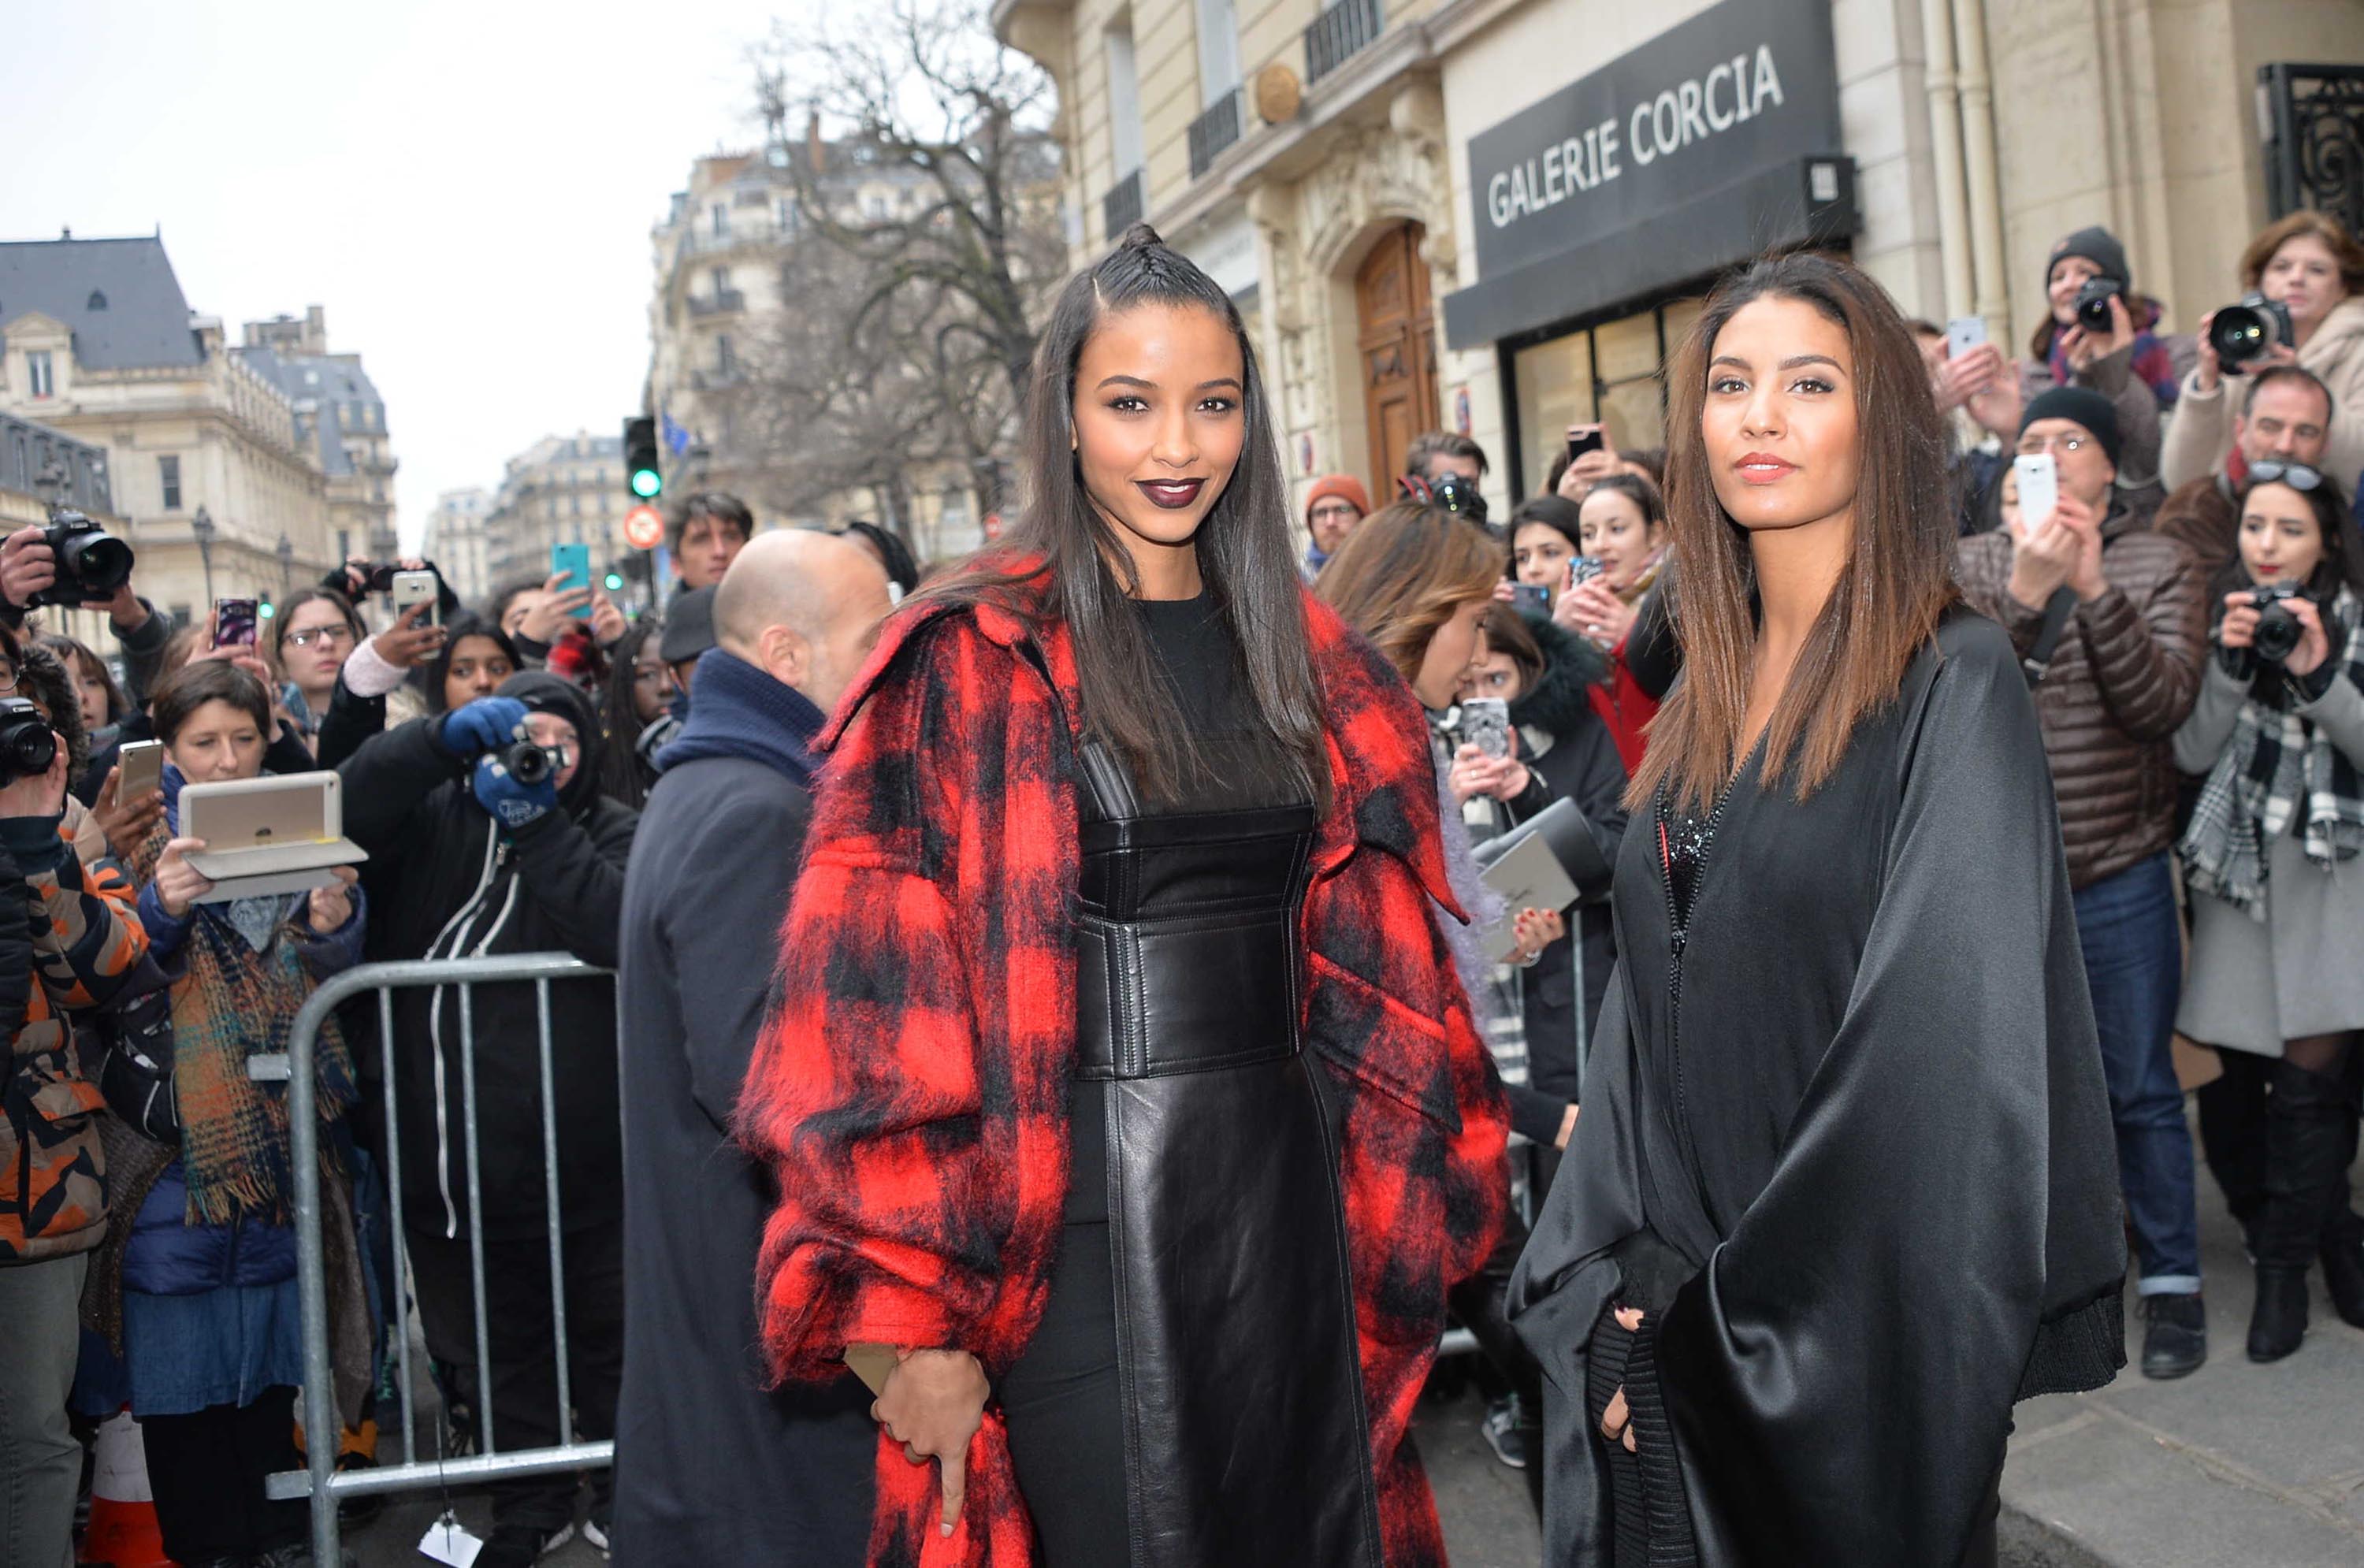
(263,1434)
(2233,1132)
(193,1472)
(523,1385)
(1066,1413)
(595,1336)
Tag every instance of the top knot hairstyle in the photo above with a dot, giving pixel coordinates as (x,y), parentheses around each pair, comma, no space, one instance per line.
(1245,552)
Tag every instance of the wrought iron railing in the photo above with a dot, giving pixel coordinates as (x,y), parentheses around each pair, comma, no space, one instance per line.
(2312,121)
(1216,129)
(1337,33)
(1122,207)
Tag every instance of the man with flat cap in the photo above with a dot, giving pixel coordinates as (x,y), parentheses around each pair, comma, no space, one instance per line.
(710,1467)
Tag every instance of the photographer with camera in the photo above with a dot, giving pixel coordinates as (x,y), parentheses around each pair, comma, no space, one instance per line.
(2302,277)
(2279,733)
(488,834)
(2109,620)
(97,572)
(2102,336)
(67,944)
(2285,418)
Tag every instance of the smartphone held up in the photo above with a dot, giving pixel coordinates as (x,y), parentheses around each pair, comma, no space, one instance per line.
(235,622)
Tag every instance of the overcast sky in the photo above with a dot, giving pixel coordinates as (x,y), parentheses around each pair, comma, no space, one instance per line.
(467,186)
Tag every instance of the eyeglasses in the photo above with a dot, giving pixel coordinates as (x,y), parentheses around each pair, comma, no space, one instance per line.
(311,635)
(2297,476)
(2029,447)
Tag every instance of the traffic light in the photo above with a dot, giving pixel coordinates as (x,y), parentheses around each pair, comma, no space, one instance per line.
(641,474)
(613,582)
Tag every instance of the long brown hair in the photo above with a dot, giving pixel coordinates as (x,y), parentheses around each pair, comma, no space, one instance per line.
(1403,571)
(1897,582)
(1246,553)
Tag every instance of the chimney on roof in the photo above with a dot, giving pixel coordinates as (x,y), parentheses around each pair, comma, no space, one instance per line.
(316,329)
(65,233)
(816,150)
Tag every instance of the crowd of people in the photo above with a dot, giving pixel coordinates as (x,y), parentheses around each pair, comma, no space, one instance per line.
(1139,973)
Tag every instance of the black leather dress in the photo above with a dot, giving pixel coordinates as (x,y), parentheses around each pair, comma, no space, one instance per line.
(1205,1233)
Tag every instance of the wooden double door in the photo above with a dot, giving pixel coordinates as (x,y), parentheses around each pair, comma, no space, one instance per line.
(1396,333)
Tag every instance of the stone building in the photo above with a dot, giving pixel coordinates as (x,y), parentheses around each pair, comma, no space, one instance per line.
(220,484)
(457,544)
(560,490)
(339,406)
(1497,216)
(720,252)
(40,467)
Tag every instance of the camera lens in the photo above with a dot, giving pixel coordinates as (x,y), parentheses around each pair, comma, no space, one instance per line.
(2278,633)
(527,763)
(100,563)
(26,746)
(2239,334)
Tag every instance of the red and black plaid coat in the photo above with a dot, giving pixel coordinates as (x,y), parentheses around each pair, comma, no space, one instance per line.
(910,1091)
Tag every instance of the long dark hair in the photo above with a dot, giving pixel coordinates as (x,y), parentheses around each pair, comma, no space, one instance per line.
(1244,550)
(1897,582)
(1402,574)
(625,775)
(2342,565)
(458,629)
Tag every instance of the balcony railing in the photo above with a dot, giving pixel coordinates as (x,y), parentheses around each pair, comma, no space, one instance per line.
(1337,34)
(2314,148)
(723,302)
(1216,129)
(1121,208)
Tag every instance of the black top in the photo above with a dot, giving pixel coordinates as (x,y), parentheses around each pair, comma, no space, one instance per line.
(1861,1099)
(1244,767)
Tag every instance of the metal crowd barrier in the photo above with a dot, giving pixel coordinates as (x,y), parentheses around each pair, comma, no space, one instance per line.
(321,1481)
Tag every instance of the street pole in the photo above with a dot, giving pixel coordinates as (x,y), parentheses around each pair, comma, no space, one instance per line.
(201,527)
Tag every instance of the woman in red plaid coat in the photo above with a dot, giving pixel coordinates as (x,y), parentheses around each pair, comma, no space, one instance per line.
(1129,1120)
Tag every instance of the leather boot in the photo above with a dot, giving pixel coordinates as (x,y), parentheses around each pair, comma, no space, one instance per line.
(2306,1141)
(2343,1266)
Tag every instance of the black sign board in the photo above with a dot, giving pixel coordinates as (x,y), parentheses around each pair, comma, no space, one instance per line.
(1743,88)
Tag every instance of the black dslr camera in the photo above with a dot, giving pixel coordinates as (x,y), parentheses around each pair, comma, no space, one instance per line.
(92,562)
(2244,331)
(531,764)
(27,746)
(2279,630)
(1448,490)
(2093,303)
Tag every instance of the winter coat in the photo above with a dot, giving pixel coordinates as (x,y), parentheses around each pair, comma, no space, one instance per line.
(2201,517)
(911,1089)
(1571,755)
(2201,435)
(710,1467)
(446,884)
(69,941)
(2122,679)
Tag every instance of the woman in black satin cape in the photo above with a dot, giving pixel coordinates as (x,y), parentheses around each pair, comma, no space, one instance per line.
(1843,1189)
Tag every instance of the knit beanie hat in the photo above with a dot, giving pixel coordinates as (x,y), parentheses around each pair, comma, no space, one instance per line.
(1344,485)
(2098,245)
(2081,407)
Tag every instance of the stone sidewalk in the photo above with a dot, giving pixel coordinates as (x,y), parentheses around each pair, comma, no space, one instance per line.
(2236,1464)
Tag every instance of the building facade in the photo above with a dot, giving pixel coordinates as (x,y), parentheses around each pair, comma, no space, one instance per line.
(219,483)
(560,490)
(339,409)
(40,468)
(1499,216)
(721,257)
(456,541)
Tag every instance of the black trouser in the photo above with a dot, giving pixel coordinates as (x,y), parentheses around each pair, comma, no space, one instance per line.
(525,1359)
(1065,1412)
(1480,1304)
(2233,1116)
(206,1471)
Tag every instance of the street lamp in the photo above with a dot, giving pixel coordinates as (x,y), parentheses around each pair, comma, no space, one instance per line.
(286,566)
(201,527)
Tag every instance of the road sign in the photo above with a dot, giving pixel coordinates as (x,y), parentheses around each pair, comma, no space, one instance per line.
(644,528)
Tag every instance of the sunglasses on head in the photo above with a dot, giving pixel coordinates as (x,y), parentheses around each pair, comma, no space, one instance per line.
(2297,476)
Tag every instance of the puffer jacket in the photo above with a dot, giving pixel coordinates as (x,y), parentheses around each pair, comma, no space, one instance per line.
(2125,674)
(2201,434)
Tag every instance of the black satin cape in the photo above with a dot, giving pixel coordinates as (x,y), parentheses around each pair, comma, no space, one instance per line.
(1893,1165)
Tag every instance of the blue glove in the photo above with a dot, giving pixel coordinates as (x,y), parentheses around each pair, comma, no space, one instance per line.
(508,802)
(486,725)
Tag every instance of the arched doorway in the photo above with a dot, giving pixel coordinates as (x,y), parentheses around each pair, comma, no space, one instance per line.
(1396,333)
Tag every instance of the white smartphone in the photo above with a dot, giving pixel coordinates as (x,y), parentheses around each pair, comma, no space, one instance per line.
(142,769)
(412,589)
(2039,487)
(1964,333)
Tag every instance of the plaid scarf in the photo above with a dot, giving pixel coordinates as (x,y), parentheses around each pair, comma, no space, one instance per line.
(2275,761)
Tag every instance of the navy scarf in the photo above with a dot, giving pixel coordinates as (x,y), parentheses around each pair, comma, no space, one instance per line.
(737,710)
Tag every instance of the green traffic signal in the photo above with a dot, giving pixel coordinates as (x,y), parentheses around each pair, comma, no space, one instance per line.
(614,581)
(646,483)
